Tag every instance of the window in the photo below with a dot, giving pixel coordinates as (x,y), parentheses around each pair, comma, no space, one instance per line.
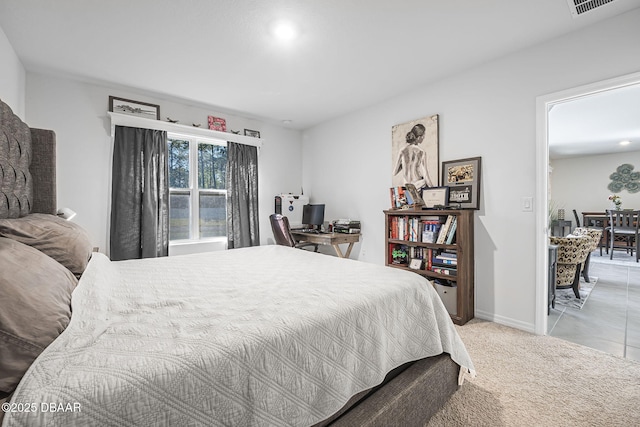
(197,188)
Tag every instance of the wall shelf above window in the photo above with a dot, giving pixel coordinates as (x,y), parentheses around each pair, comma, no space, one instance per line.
(118,119)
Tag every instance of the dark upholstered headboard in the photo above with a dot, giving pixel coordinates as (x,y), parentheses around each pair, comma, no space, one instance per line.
(27,167)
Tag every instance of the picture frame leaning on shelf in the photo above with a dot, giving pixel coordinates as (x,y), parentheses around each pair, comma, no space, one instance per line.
(435,196)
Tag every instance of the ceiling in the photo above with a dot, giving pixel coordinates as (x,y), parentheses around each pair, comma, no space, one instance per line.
(220,54)
(596,124)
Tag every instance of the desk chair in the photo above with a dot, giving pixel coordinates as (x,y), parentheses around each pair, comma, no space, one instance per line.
(625,226)
(282,233)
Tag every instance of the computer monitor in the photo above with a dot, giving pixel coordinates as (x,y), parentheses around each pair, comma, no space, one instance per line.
(313,216)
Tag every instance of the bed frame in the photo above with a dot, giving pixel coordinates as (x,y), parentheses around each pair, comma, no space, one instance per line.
(29,153)
(410,394)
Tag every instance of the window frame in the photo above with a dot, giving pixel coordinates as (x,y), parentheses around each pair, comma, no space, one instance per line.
(193,190)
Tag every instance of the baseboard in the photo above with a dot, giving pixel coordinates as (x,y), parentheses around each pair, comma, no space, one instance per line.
(506,321)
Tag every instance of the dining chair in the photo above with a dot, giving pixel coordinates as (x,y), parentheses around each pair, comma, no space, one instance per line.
(623,226)
(595,235)
(575,214)
(572,253)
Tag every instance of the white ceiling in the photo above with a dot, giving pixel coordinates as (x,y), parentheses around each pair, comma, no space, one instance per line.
(216,53)
(596,124)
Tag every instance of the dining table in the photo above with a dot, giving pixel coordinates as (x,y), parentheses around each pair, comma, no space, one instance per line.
(598,220)
(595,219)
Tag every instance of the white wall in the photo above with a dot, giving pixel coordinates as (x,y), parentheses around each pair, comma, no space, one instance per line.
(570,177)
(488,111)
(12,77)
(77,112)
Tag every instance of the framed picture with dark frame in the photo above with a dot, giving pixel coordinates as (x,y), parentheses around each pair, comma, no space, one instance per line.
(463,179)
(253,133)
(134,108)
(435,197)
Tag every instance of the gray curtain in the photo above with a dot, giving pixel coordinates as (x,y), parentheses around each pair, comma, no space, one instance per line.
(140,194)
(242,196)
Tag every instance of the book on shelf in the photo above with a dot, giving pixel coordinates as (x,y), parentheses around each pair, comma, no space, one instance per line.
(444,270)
(398,197)
(444,230)
(407,197)
(417,252)
(413,194)
(447,255)
(413,225)
(430,229)
(444,261)
(452,231)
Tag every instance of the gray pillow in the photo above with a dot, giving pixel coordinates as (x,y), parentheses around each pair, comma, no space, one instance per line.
(35,307)
(65,241)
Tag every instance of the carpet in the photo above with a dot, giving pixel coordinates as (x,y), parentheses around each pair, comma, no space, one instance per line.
(533,380)
(566,297)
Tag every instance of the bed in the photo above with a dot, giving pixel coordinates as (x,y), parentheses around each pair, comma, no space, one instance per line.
(259,336)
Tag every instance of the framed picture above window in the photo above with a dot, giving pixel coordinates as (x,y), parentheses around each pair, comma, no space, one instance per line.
(253,133)
(134,108)
(463,179)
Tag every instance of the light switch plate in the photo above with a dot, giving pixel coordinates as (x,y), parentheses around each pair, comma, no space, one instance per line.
(527,204)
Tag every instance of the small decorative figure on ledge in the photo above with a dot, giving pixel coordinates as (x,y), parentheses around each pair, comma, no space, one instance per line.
(171,120)
(196,125)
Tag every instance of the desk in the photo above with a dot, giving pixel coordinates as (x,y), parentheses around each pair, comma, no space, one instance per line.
(333,239)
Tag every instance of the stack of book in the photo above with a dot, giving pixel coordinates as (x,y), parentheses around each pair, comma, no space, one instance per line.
(445,263)
(405,197)
(348,226)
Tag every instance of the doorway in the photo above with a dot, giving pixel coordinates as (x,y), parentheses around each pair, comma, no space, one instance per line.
(544,104)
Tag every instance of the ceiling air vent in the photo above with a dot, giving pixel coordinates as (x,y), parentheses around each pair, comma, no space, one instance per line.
(578,7)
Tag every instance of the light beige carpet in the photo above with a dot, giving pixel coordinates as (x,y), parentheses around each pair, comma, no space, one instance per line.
(530,380)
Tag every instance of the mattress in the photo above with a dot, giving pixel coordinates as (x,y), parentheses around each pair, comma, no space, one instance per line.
(262,336)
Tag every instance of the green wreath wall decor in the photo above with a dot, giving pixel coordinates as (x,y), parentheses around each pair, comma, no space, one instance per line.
(624,179)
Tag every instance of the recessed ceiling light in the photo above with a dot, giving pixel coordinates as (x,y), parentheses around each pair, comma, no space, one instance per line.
(286,122)
(625,142)
(284,31)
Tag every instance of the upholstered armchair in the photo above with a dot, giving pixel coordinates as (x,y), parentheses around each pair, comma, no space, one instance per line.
(595,234)
(572,253)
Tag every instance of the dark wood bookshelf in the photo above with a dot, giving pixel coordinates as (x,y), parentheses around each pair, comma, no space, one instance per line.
(459,300)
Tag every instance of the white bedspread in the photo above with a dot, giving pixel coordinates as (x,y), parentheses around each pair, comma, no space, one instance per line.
(264,336)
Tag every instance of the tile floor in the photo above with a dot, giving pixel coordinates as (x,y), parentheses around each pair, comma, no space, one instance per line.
(610,318)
